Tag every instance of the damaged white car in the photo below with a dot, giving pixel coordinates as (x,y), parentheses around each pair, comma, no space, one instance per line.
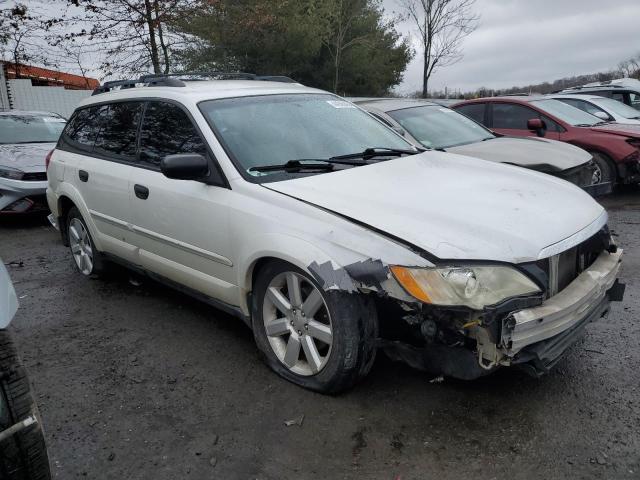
(327,232)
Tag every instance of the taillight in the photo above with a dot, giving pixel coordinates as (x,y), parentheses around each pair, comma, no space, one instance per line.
(47,160)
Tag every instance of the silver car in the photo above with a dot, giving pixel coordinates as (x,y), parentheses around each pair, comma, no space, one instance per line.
(435,126)
(25,140)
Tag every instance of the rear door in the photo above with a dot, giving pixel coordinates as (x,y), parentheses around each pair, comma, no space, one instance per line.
(512,118)
(181,226)
(101,150)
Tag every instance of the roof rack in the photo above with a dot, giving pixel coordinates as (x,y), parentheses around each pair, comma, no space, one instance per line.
(179,79)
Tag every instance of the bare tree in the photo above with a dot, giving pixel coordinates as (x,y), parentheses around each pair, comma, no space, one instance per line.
(442,26)
(129,36)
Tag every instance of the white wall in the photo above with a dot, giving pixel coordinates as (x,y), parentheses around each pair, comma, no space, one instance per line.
(25,96)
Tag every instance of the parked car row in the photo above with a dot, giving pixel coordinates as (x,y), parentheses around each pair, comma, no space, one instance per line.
(332,235)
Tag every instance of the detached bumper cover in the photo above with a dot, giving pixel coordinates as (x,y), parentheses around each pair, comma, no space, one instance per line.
(586,298)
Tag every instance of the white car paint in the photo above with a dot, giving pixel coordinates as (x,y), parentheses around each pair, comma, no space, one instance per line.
(496,213)
(611,107)
(413,211)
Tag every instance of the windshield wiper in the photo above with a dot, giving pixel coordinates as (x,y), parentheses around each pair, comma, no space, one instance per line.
(369,153)
(295,166)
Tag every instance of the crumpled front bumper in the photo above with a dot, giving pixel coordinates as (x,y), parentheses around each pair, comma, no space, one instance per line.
(541,334)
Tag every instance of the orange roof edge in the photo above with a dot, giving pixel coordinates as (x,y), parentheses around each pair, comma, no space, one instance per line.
(52,76)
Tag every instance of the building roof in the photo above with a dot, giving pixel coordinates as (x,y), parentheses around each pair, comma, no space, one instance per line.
(50,77)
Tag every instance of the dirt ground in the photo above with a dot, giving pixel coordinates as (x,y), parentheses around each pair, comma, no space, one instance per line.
(140,382)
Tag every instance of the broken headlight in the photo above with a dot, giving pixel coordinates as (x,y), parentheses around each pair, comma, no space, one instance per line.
(470,286)
(11,173)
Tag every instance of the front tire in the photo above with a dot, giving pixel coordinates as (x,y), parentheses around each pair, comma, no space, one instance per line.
(88,260)
(604,170)
(320,340)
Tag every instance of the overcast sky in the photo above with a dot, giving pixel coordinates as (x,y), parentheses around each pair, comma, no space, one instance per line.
(519,42)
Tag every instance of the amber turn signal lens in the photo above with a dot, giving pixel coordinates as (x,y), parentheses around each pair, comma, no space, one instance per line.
(405,278)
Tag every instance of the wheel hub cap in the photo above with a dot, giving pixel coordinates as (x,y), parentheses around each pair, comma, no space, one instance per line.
(297,323)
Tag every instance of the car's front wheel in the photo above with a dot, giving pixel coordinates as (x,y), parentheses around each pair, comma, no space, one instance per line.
(321,340)
(603,171)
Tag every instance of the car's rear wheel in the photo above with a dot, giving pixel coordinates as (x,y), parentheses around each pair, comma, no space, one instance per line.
(603,171)
(87,258)
(321,340)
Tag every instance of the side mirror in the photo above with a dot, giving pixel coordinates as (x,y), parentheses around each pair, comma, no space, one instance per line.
(602,115)
(537,125)
(185,166)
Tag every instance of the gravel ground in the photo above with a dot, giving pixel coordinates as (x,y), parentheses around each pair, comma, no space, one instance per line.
(141,382)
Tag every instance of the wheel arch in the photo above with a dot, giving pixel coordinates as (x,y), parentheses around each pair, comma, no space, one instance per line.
(67,198)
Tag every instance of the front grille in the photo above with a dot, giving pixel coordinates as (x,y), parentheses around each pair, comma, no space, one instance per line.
(564,268)
(35,177)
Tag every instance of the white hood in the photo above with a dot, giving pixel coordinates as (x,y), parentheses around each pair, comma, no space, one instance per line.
(456,207)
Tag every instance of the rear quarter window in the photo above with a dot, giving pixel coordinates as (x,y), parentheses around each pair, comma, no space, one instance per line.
(80,133)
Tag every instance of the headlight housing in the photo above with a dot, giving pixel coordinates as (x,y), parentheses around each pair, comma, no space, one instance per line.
(11,173)
(471,286)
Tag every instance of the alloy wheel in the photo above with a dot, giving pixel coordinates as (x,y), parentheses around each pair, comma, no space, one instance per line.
(297,323)
(80,244)
(596,176)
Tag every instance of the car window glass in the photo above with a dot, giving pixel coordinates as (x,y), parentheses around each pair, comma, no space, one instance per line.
(582,105)
(17,128)
(167,130)
(511,116)
(118,129)
(634,100)
(440,127)
(618,96)
(475,111)
(82,129)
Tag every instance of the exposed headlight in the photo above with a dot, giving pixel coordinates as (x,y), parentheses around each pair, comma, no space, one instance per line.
(470,286)
(11,173)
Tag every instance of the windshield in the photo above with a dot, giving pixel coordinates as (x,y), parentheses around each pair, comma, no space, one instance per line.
(572,115)
(618,108)
(439,127)
(274,129)
(30,129)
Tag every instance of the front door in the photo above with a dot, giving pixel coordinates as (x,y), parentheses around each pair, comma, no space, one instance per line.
(511,119)
(180,226)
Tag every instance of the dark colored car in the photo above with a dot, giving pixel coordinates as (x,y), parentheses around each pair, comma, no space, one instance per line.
(615,147)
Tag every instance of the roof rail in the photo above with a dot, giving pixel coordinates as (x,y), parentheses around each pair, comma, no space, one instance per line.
(178,79)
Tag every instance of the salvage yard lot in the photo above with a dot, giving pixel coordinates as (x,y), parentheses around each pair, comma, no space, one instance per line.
(143,382)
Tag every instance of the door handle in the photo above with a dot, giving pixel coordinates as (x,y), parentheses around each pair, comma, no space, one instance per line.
(83,175)
(141,191)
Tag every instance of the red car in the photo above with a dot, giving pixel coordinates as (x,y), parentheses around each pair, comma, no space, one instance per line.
(615,147)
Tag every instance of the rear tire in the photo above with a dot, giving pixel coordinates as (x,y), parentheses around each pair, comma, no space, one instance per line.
(23,456)
(342,331)
(605,171)
(86,257)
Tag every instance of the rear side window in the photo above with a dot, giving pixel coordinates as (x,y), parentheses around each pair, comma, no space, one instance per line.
(511,116)
(81,131)
(475,111)
(118,129)
(167,130)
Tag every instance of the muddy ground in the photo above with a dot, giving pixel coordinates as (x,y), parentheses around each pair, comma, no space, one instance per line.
(140,382)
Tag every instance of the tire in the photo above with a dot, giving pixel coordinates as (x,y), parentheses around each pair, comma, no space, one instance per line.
(23,456)
(351,319)
(81,239)
(605,171)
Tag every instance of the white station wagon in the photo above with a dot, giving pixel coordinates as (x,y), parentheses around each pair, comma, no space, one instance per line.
(328,233)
